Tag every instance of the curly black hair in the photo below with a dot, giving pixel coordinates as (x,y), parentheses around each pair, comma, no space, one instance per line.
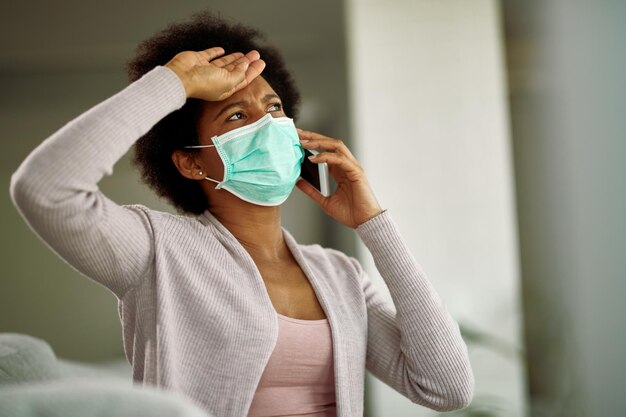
(153,150)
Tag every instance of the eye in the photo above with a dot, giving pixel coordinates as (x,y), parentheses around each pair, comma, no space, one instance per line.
(236,116)
(275,107)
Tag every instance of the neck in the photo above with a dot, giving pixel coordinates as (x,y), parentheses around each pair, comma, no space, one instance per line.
(257,228)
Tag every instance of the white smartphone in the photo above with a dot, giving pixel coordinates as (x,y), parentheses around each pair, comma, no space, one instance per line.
(315,174)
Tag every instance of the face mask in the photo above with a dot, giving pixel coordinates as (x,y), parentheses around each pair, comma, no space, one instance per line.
(261,160)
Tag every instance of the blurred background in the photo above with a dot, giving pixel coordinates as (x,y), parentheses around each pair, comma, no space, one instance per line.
(492,130)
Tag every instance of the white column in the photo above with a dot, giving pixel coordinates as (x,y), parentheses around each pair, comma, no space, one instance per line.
(430,125)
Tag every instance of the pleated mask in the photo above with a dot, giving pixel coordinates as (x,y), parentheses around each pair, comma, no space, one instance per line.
(261,160)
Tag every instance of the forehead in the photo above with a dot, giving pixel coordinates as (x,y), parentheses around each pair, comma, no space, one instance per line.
(258,86)
(254,97)
(253,92)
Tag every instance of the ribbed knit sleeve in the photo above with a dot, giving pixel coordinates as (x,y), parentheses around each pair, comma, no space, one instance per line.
(56,187)
(416,349)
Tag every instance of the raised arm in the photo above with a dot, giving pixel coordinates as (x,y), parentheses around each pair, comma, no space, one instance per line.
(413,345)
(56,187)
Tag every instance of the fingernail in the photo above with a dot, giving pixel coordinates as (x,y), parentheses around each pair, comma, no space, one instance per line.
(304,140)
(312,157)
(298,129)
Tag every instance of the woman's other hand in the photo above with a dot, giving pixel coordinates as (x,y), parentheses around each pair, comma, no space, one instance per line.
(353,203)
(209,76)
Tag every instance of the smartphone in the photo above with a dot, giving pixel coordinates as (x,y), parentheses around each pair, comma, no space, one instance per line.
(315,174)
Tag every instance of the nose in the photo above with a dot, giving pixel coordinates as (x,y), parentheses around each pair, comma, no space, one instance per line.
(256,113)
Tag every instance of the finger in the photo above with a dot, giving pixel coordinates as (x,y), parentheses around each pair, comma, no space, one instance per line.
(348,167)
(212,53)
(237,62)
(310,191)
(254,70)
(312,140)
(250,57)
(251,72)
(253,55)
(226,60)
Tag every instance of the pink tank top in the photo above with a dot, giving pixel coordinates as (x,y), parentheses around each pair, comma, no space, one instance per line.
(299,379)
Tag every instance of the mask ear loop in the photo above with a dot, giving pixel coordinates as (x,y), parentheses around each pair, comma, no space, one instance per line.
(199,147)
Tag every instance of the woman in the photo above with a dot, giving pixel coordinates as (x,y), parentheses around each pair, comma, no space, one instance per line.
(222,304)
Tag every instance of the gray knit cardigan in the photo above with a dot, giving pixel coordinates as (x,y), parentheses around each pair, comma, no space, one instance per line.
(195,313)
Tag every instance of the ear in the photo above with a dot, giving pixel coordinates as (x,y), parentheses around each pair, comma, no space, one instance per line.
(187,165)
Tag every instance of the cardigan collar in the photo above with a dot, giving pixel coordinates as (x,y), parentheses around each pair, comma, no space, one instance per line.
(322,291)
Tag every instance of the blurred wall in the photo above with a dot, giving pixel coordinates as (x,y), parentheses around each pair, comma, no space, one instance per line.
(58,60)
(568,101)
(429,114)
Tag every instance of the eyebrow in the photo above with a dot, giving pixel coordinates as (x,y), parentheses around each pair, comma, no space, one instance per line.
(242,103)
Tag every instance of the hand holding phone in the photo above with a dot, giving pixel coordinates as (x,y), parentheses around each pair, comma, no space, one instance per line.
(354,202)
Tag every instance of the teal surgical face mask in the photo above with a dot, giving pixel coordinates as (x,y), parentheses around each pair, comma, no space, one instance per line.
(261,160)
